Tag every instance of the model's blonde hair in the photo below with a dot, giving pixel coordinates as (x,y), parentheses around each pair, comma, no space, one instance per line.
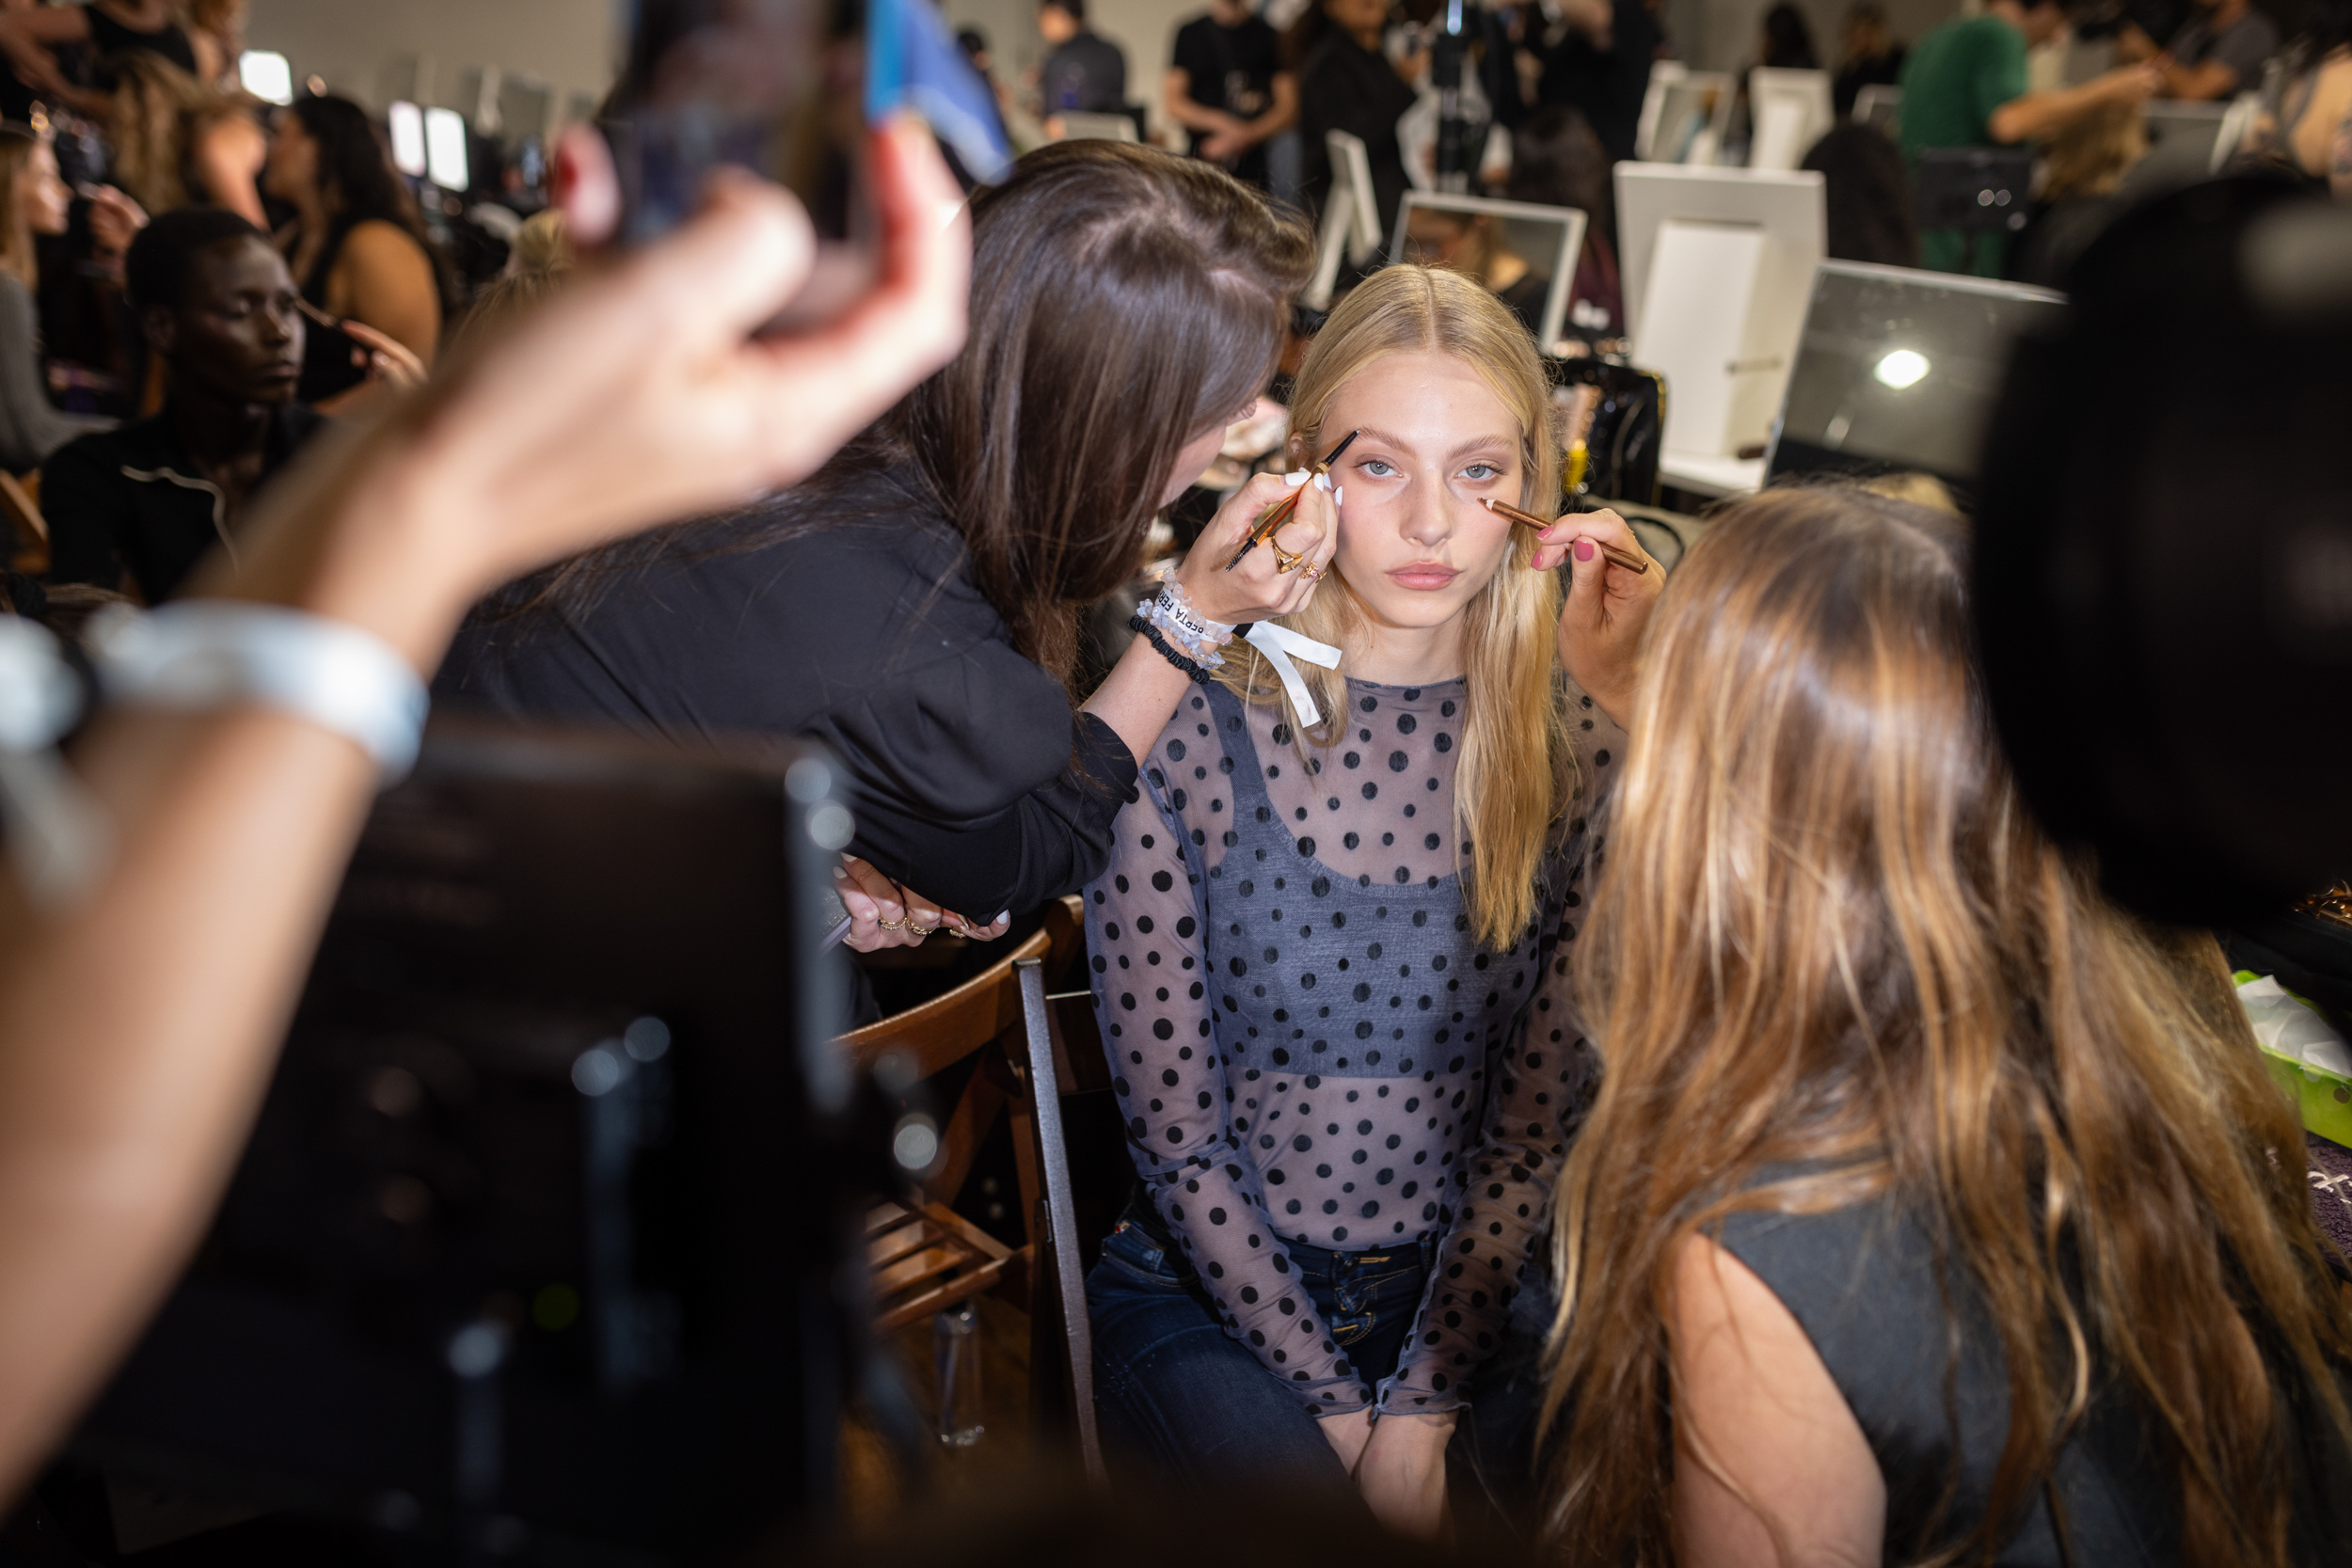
(1833,957)
(1507,780)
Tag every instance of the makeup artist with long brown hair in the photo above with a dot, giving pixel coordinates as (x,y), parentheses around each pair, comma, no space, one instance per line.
(916,606)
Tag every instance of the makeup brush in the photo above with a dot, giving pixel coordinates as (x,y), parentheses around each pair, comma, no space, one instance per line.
(1615,556)
(1280,513)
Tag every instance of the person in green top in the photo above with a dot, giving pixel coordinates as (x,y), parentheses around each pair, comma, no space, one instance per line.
(1964,85)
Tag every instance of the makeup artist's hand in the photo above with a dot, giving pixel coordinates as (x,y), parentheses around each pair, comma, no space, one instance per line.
(884,913)
(1257,590)
(1607,607)
(384,357)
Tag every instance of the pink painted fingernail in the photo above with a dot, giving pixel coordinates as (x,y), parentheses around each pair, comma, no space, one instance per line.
(1584,549)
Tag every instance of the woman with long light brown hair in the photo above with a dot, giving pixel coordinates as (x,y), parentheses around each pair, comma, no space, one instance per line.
(1327,942)
(1932,1207)
(180,142)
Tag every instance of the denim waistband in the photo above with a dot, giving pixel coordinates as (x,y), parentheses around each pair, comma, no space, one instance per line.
(1422,1250)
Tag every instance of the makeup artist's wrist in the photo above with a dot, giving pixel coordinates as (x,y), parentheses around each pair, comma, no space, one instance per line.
(1615,698)
(372,536)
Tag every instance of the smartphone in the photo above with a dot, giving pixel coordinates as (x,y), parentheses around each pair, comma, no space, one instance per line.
(788,89)
(774,85)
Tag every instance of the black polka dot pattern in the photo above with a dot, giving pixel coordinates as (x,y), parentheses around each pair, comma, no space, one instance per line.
(1308,1044)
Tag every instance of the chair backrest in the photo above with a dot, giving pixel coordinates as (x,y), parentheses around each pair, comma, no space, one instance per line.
(943,1031)
(31,530)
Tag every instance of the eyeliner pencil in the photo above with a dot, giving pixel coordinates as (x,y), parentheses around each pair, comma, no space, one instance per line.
(1615,556)
(1280,513)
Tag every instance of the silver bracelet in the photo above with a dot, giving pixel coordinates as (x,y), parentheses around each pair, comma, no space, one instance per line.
(1214,634)
(58,836)
(1184,636)
(204,654)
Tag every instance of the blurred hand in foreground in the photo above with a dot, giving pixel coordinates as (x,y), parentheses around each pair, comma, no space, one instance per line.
(138,1026)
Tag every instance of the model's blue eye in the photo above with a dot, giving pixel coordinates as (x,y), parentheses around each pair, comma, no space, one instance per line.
(1376,467)
(1482,473)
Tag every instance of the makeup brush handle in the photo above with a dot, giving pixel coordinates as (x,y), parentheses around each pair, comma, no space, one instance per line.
(1268,525)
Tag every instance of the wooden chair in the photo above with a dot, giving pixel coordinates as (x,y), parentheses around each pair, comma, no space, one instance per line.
(927,1258)
(20,503)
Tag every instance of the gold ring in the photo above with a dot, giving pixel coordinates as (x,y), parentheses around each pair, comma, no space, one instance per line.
(889,924)
(918,931)
(1311,571)
(1284,560)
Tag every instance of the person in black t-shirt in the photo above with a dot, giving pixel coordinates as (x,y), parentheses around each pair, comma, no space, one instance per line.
(1227,87)
(1873,59)
(1346,83)
(1601,66)
(1083,73)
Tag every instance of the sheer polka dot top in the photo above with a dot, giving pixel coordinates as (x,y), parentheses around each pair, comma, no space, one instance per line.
(1308,1043)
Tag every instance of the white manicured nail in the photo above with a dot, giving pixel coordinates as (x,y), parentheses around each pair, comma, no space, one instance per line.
(1323,482)
(1001,915)
(1338,495)
(1294,480)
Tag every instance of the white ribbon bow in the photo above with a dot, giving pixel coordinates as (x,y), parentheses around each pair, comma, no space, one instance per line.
(1278,643)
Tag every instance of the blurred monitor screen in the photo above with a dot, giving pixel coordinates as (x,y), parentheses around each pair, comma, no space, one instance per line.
(1897,369)
(2184,137)
(1085,127)
(266,75)
(1881,108)
(1791,111)
(540,1221)
(1456,230)
(406,123)
(1691,117)
(445,148)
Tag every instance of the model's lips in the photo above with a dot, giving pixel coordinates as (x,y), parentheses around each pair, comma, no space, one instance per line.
(1424,576)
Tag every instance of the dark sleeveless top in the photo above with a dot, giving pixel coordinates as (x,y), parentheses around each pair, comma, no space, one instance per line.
(1928,1384)
(327,353)
(109,37)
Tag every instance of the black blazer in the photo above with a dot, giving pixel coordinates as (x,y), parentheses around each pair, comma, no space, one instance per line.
(975,783)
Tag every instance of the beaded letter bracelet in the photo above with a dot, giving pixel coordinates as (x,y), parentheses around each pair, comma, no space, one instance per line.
(1193,671)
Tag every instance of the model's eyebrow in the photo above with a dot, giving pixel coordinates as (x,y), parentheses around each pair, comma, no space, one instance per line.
(1476,443)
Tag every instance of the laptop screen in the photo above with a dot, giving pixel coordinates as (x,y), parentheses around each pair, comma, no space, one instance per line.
(1897,369)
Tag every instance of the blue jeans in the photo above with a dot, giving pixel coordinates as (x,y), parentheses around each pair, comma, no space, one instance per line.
(1173,1388)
